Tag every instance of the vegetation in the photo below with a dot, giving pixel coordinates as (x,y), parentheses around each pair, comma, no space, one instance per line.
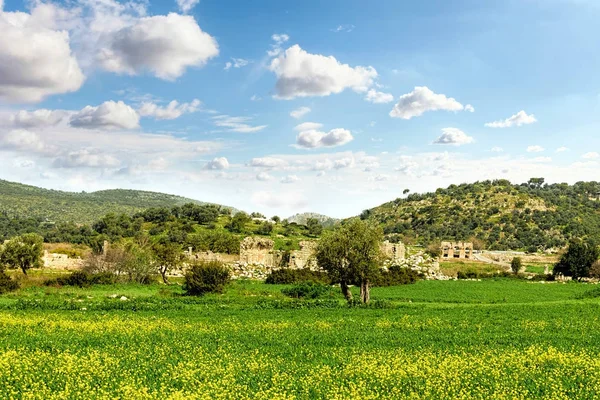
(307,290)
(578,259)
(206,277)
(516,264)
(531,216)
(23,252)
(285,276)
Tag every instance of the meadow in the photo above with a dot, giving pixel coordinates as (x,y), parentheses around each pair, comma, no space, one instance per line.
(489,339)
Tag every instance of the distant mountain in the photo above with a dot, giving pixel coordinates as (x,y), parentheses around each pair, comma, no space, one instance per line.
(303,217)
(18,200)
(530,216)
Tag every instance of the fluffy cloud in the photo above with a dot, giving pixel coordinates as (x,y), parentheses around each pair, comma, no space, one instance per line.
(218,163)
(300,112)
(421,100)
(278,40)
(535,149)
(237,63)
(35,59)
(263,176)
(313,139)
(376,97)
(453,136)
(469,108)
(290,179)
(236,124)
(86,158)
(267,162)
(186,5)
(301,74)
(108,115)
(520,118)
(37,118)
(172,111)
(592,155)
(22,140)
(163,45)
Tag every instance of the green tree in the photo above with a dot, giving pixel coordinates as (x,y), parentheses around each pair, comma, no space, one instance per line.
(516,264)
(238,222)
(167,256)
(351,254)
(23,252)
(578,259)
(275,219)
(314,227)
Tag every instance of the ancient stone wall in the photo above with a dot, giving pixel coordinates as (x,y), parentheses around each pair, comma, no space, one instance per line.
(393,251)
(61,261)
(258,250)
(305,257)
(459,250)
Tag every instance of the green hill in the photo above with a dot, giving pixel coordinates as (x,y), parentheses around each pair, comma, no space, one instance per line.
(501,215)
(18,200)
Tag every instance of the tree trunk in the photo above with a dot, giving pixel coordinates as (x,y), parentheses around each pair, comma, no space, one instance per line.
(346,290)
(24,269)
(365,291)
(163,273)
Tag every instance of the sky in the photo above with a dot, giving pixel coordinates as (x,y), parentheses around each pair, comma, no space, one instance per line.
(283,107)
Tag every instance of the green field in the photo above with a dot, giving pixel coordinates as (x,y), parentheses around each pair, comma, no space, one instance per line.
(490,339)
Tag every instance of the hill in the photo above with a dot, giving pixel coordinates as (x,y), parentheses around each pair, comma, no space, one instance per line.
(18,200)
(303,217)
(530,216)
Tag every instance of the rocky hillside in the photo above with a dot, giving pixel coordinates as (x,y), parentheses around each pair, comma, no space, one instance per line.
(18,200)
(301,219)
(500,215)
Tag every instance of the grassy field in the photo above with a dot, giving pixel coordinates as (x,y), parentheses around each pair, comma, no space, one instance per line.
(490,339)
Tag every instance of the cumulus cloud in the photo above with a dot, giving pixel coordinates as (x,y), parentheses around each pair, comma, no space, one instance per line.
(236,63)
(290,179)
(300,112)
(421,100)
(22,140)
(108,115)
(186,5)
(218,163)
(301,74)
(86,158)
(37,118)
(469,108)
(592,155)
(268,162)
(535,149)
(172,111)
(263,176)
(313,139)
(165,45)
(276,47)
(36,60)
(376,97)
(236,124)
(520,118)
(453,136)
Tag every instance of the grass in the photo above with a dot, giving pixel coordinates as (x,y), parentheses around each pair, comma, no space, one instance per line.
(500,338)
(451,268)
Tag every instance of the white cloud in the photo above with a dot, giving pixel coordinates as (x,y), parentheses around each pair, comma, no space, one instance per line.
(347,28)
(421,100)
(86,158)
(172,111)
(35,58)
(108,115)
(290,179)
(307,126)
(267,162)
(186,5)
(279,39)
(497,149)
(520,118)
(288,200)
(343,163)
(300,112)
(255,98)
(376,97)
(469,108)
(453,136)
(37,118)
(237,63)
(313,139)
(535,149)
(22,140)
(542,159)
(218,163)
(263,176)
(562,149)
(163,45)
(301,74)
(592,155)
(236,124)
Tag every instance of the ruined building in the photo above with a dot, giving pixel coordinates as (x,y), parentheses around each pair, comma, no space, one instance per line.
(462,250)
(393,251)
(258,250)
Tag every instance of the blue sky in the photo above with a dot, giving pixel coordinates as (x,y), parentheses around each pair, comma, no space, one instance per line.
(285,107)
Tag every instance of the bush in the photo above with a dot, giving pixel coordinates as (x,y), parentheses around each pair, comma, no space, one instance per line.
(7,284)
(396,275)
(83,279)
(595,270)
(287,276)
(307,290)
(206,277)
(516,265)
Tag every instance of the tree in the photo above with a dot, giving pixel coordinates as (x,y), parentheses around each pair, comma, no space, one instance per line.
(406,191)
(265,228)
(351,254)
(578,259)
(238,222)
(314,227)
(23,252)
(275,219)
(167,256)
(206,277)
(516,265)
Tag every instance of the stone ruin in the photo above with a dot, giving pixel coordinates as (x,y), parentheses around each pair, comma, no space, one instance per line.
(393,251)
(258,250)
(305,257)
(460,250)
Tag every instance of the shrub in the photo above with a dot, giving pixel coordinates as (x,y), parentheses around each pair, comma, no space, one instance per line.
(7,284)
(516,265)
(307,290)
(434,249)
(595,270)
(206,277)
(83,279)
(396,275)
(286,276)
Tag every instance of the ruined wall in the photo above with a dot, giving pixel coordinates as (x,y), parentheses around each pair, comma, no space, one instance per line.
(210,256)
(305,257)
(61,261)
(393,251)
(451,250)
(258,250)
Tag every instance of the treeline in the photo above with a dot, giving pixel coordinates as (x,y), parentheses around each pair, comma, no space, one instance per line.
(530,216)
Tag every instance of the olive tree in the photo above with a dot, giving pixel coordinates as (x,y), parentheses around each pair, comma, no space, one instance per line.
(23,252)
(167,256)
(351,254)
